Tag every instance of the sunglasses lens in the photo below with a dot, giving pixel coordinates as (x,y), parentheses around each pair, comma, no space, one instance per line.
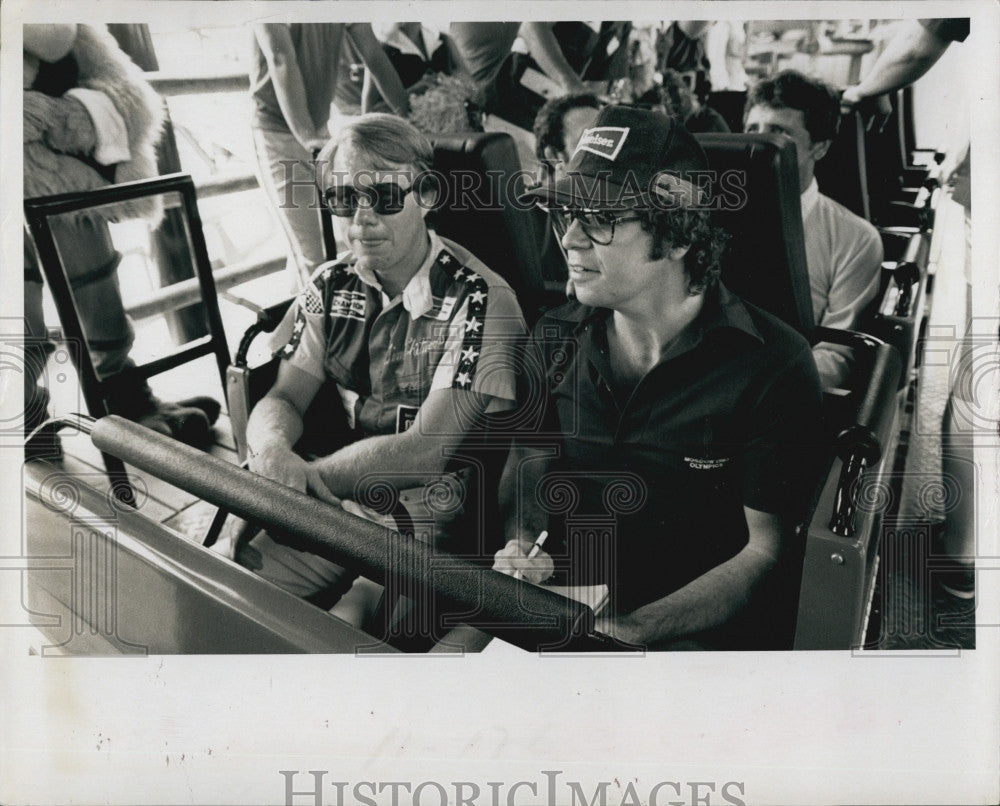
(384,199)
(342,201)
(389,198)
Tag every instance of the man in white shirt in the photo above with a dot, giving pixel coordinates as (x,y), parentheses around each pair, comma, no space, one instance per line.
(843,251)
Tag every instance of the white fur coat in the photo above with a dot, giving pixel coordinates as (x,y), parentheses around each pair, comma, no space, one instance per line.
(57,128)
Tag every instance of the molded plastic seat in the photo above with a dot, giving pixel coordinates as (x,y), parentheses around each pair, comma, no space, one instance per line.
(765,263)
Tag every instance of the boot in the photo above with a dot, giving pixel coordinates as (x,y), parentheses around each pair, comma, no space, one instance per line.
(131,397)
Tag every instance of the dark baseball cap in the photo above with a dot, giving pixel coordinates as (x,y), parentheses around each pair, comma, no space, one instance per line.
(629,158)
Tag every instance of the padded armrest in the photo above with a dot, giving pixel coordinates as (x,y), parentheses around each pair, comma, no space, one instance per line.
(864,422)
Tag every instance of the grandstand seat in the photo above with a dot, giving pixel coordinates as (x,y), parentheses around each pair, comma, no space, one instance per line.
(859,420)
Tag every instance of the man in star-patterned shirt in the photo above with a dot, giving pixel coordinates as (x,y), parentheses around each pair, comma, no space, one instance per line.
(418,336)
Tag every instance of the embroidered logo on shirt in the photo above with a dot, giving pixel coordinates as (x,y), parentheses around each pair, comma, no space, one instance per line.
(605,141)
(447,306)
(348,305)
(705,463)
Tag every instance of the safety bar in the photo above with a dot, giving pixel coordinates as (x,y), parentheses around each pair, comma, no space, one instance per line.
(522,614)
(859,444)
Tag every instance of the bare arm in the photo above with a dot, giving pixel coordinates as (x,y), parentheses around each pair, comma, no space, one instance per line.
(907,56)
(710,600)
(545,50)
(379,70)
(409,458)
(524,519)
(275,425)
(275,43)
(525,468)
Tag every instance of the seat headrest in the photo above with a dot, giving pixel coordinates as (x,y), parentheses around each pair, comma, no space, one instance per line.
(756,200)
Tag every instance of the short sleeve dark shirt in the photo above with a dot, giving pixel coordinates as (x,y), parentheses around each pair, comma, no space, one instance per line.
(728,419)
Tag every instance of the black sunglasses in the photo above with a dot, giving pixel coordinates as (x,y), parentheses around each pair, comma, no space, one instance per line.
(598,225)
(385,198)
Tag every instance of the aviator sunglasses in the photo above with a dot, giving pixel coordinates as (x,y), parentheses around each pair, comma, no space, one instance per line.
(384,198)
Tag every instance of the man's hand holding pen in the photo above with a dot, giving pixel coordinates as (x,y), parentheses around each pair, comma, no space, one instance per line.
(525,560)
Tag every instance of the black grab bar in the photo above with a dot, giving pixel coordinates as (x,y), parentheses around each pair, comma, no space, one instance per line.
(523,614)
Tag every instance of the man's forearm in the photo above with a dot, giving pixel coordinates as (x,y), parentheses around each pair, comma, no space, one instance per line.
(706,602)
(398,459)
(906,58)
(523,517)
(545,50)
(379,73)
(273,422)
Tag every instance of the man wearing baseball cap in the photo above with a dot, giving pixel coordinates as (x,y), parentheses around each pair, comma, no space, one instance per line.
(676,467)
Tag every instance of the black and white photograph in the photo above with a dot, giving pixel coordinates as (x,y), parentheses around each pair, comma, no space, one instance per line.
(545,403)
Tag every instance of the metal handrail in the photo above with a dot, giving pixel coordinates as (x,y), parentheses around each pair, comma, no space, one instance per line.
(187,292)
(170,84)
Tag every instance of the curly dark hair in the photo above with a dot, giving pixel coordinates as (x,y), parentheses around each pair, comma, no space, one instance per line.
(548,128)
(687,226)
(789,89)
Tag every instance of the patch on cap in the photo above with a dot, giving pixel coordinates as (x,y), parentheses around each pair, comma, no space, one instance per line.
(605,141)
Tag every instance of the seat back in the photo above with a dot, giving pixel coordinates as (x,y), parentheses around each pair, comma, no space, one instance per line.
(80,256)
(729,104)
(756,200)
(765,264)
(841,174)
(481,180)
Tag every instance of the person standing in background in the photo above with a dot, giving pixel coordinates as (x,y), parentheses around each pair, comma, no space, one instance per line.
(294,71)
(91,120)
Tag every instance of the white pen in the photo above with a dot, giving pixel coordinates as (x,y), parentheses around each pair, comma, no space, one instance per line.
(535,548)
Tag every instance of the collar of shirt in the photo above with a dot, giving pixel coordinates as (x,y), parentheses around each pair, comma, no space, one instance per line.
(810,198)
(417,296)
(721,309)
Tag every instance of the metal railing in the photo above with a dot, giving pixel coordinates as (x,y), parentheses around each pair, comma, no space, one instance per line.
(170,84)
(184,293)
